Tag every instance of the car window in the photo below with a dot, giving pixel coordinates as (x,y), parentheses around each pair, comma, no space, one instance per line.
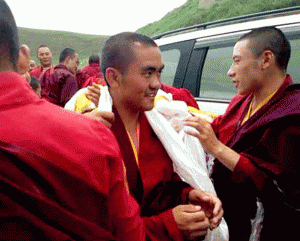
(170,60)
(293,66)
(212,74)
(215,84)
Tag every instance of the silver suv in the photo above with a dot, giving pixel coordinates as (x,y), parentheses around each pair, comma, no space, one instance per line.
(198,57)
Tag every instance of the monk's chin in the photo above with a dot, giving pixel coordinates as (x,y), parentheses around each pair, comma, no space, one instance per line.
(148,108)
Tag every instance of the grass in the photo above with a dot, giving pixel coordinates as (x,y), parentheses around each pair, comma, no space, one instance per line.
(189,13)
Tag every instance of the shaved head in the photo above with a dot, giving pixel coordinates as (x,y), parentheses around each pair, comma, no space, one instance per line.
(272,39)
(9,40)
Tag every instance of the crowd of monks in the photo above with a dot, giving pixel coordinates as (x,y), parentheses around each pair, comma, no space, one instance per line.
(164,207)
(83,158)
(59,83)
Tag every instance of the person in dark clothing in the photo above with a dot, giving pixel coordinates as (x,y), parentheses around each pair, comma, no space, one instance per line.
(59,84)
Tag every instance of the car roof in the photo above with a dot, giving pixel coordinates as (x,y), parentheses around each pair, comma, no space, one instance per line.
(279,21)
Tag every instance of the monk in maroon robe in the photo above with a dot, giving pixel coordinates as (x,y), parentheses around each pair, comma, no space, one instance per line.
(58,84)
(133,77)
(97,79)
(257,170)
(91,70)
(61,174)
(63,186)
(44,55)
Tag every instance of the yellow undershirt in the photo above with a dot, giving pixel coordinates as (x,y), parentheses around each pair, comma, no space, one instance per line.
(132,143)
(251,112)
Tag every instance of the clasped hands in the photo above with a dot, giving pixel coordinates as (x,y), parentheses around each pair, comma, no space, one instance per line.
(204,211)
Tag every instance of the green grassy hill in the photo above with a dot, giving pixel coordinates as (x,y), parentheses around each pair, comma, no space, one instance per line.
(84,44)
(189,14)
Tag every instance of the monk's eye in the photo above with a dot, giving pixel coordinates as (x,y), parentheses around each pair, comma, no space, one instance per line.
(148,74)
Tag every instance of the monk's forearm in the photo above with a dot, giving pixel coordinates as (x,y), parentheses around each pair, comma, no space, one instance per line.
(227,156)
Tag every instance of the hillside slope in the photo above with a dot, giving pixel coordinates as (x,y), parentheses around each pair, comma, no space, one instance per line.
(84,44)
(190,14)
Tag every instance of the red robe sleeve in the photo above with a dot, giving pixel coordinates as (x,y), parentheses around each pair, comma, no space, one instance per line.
(97,79)
(162,227)
(81,78)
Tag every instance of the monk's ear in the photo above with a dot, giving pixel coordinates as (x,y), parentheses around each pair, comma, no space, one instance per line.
(23,62)
(268,59)
(113,77)
(25,51)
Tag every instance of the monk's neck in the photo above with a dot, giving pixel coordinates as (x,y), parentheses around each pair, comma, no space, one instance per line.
(129,118)
(267,91)
(44,68)
(130,121)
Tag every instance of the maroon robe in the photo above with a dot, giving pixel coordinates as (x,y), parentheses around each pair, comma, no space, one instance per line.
(153,183)
(97,79)
(86,72)
(92,69)
(58,85)
(61,173)
(269,166)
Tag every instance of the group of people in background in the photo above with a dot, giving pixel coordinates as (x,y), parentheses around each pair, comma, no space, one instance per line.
(59,83)
(110,176)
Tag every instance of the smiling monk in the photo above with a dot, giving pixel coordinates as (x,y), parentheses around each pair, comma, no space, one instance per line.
(132,66)
(44,55)
(256,141)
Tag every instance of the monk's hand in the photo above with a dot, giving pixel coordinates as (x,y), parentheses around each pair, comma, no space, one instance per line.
(209,141)
(93,94)
(209,203)
(204,133)
(191,221)
(106,117)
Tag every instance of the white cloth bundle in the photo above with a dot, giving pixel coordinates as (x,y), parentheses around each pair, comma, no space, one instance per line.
(70,105)
(185,150)
(105,100)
